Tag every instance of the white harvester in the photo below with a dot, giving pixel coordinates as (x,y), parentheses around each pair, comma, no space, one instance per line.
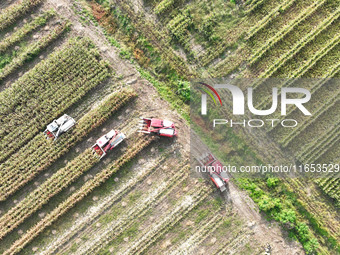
(59,126)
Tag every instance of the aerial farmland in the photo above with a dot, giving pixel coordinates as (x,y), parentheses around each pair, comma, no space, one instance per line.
(99,134)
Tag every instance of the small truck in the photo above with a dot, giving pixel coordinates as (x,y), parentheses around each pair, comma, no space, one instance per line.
(214,168)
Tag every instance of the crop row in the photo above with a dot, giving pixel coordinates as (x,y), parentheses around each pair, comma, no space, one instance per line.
(92,215)
(178,25)
(330,74)
(315,149)
(13,12)
(270,17)
(298,46)
(18,35)
(157,38)
(47,91)
(153,232)
(63,100)
(284,31)
(331,101)
(40,153)
(90,185)
(163,6)
(120,225)
(306,66)
(33,50)
(255,5)
(206,228)
(331,187)
(52,186)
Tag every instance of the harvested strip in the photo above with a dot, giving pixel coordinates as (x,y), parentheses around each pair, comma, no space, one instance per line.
(152,199)
(239,241)
(168,221)
(91,215)
(52,186)
(199,236)
(86,189)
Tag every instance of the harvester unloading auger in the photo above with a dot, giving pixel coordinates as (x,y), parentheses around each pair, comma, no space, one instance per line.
(157,126)
(59,126)
(107,142)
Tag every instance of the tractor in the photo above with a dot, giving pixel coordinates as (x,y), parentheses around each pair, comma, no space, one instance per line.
(214,168)
(107,142)
(59,126)
(157,126)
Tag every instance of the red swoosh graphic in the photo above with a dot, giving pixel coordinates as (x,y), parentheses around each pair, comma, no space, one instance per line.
(213,90)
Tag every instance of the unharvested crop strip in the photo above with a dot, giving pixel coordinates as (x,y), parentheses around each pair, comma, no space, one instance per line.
(270,17)
(282,33)
(306,66)
(254,5)
(13,12)
(330,186)
(307,122)
(46,91)
(33,50)
(297,47)
(157,40)
(330,74)
(40,153)
(18,35)
(90,185)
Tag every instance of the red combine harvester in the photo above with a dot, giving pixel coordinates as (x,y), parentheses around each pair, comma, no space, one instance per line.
(107,142)
(210,161)
(59,126)
(157,126)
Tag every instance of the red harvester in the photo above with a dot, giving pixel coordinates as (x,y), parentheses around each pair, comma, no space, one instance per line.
(107,142)
(157,126)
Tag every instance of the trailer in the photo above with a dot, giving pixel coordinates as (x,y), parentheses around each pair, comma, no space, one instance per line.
(59,126)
